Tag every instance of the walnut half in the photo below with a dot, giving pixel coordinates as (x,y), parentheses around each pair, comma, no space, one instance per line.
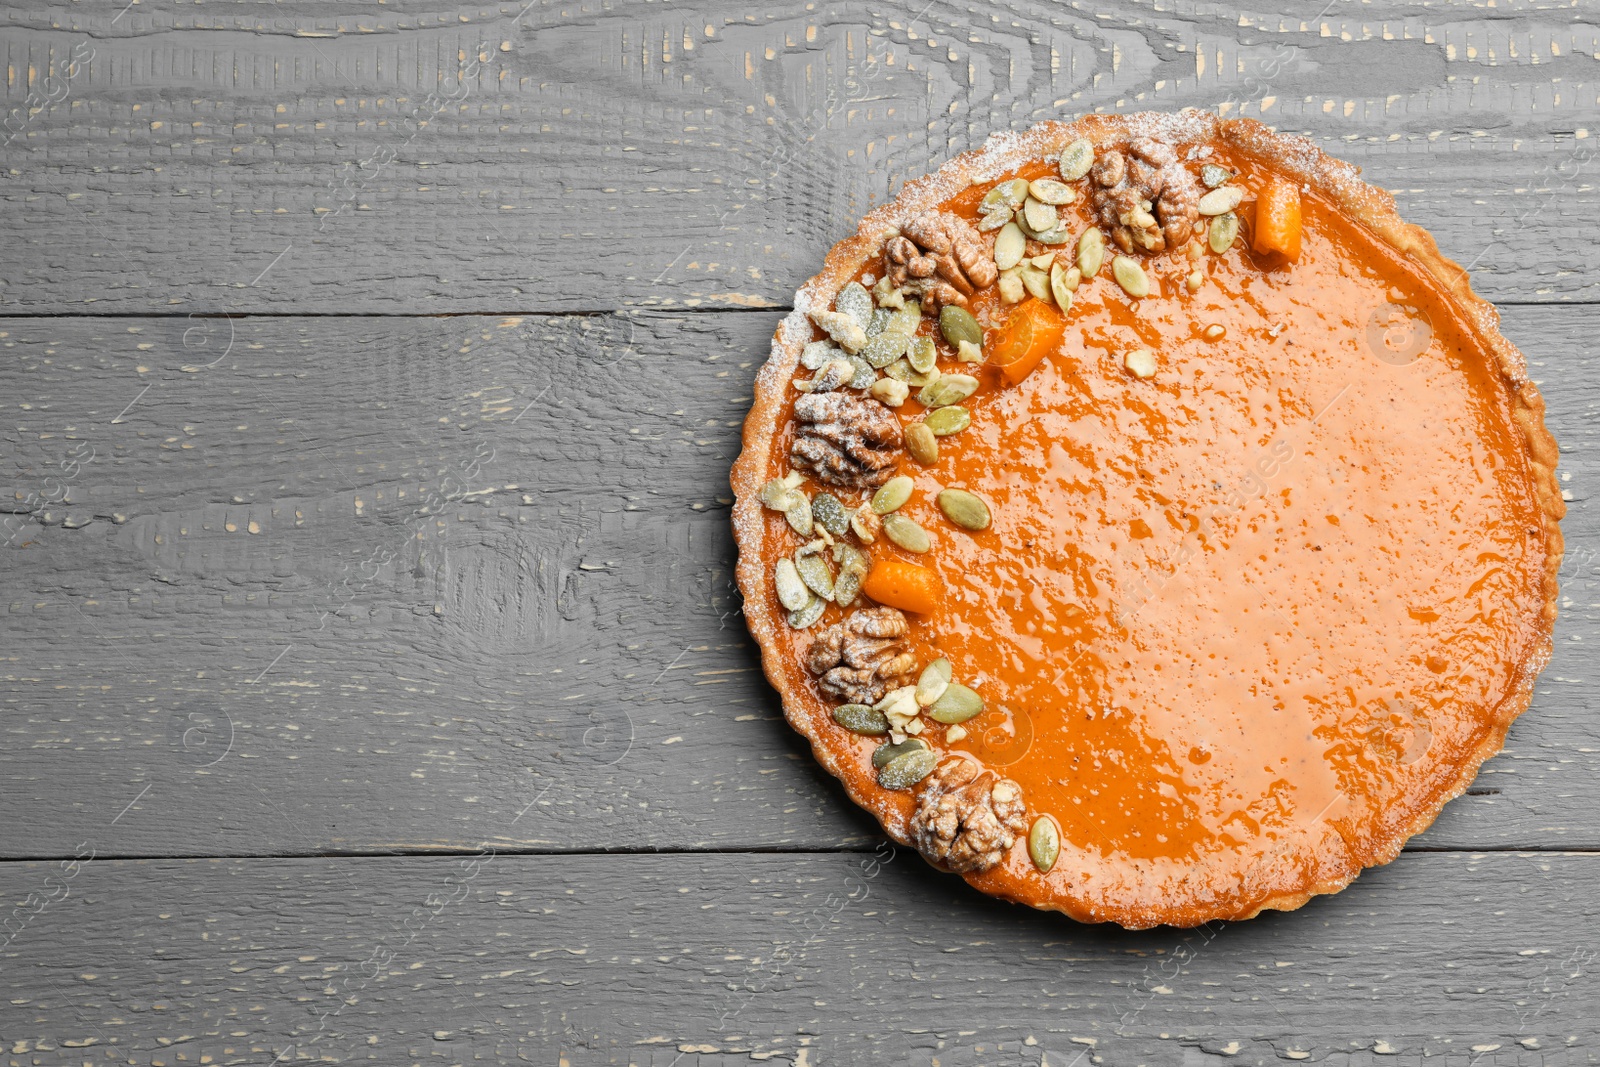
(941,259)
(967,816)
(1144,197)
(845,439)
(863,657)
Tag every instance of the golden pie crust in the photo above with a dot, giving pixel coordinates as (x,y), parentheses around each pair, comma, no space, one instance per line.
(1267,653)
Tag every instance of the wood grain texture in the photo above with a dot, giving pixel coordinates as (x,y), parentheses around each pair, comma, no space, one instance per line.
(368,584)
(342,157)
(717,961)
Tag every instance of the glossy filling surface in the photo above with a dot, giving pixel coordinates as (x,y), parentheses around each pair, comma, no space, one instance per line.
(1253,599)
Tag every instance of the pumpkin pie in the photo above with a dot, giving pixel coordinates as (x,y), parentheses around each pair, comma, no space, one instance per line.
(1145,523)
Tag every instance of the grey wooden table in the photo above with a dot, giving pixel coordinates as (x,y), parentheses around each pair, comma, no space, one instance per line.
(372,685)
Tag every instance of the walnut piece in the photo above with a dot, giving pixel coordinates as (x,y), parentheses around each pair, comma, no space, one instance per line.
(967,817)
(845,439)
(863,657)
(941,259)
(1144,197)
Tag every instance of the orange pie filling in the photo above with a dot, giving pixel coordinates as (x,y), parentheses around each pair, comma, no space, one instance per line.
(1245,560)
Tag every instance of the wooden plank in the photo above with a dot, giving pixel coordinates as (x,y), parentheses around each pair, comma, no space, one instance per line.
(251,553)
(676,961)
(262,157)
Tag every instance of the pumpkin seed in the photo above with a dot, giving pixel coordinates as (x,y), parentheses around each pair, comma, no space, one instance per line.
(1011,288)
(865,375)
(813,571)
(817,353)
(907,319)
(1212,175)
(994,220)
(860,719)
(1044,843)
(889,393)
(1008,194)
(946,421)
(1059,287)
(958,324)
(855,301)
(1076,159)
(1009,246)
(906,771)
(892,494)
(1130,276)
(829,513)
(933,681)
(1141,362)
(799,515)
(1036,281)
(923,355)
(854,563)
(883,755)
(1040,216)
(949,389)
(906,533)
(792,591)
(885,348)
(1091,251)
(1058,236)
(809,614)
(849,334)
(1221,201)
(956,704)
(1044,262)
(881,318)
(779,494)
(1050,191)
(923,446)
(966,510)
(1222,231)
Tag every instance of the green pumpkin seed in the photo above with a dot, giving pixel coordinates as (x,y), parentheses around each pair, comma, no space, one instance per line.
(860,719)
(956,704)
(1050,191)
(965,509)
(1058,236)
(957,324)
(865,375)
(907,319)
(1091,251)
(1059,288)
(1212,175)
(923,446)
(883,755)
(946,421)
(799,515)
(1076,159)
(1130,276)
(1037,282)
(1044,843)
(829,513)
(903,772)
(906,533)
(1221,201)
(1222,231)
(1008,194)
(885,348)
(813,570)
(816,353)
(994,220)
(881,317)
(809,614)
(792,591)
(1009,245)
(855,301)
(934,680)
(1039,216)
(949,389)
(892,494)
(923,355)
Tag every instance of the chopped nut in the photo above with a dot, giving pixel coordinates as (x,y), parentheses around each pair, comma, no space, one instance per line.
(832,375)
(1144,196)
(952,734)
(843,328)
(1141,362)
(967,817)
(1214,332)
(967,352)
(863,657)
(1195,280)
(889,392)
(845,439)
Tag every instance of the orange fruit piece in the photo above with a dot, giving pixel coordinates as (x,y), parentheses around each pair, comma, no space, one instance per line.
(1277,226)
(1031,333)
(902,585)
